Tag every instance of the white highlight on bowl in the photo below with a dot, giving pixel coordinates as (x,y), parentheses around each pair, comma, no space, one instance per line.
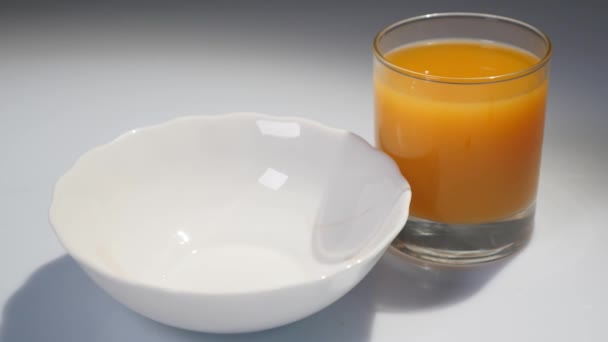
(273,179)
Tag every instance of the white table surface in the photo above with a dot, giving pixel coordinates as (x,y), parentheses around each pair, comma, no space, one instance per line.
(73,76)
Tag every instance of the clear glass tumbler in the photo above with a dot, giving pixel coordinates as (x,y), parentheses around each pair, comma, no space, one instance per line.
(465,123)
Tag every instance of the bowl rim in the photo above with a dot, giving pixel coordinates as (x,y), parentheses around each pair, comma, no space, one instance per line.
(366,253)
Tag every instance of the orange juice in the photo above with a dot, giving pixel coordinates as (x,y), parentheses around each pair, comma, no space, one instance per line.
(468,144)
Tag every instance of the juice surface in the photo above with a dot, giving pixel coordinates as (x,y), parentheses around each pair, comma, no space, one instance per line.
(471,151)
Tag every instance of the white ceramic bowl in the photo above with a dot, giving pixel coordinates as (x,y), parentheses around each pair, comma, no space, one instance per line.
(230,223)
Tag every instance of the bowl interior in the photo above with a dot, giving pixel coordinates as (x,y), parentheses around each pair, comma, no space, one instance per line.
(222,204)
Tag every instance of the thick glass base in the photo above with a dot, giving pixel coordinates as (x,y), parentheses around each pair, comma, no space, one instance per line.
(464,244)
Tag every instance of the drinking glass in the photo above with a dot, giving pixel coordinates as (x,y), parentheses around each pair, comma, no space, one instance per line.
(469,146)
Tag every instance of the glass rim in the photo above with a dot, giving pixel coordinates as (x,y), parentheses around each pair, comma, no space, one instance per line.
(462,80)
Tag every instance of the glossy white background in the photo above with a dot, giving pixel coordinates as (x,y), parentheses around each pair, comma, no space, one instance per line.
(75,76)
